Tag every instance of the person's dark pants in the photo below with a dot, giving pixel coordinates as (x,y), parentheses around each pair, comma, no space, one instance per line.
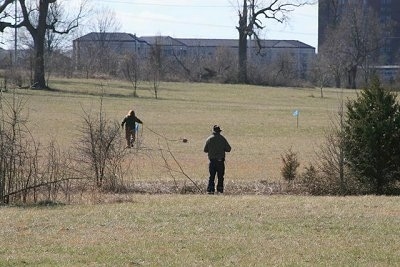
(130,136)
(216,167)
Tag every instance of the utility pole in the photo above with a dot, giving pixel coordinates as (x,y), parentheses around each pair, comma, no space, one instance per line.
(15,33)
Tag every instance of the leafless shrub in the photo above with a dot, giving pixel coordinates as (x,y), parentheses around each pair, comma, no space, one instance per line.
(15,77)
(56,173)
(100,150)
(18,154)
(330,175)
(317,184)
(27,173)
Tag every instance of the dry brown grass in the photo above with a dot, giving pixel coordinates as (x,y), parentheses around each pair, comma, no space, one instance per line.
(202,230)
(163,229)
(257,121)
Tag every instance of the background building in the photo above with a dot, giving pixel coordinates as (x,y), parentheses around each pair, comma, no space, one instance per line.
(203,54)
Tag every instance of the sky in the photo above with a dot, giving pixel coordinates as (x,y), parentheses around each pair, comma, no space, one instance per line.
(196,19)
(205,19)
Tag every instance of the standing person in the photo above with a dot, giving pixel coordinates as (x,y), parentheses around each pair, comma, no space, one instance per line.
(216,146)
(130,128)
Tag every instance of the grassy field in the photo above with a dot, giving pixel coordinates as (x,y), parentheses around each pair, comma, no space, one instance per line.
(199,230)
(257,121)
(202,230)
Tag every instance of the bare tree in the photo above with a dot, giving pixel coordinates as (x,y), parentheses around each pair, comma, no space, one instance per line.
(283,69)
(38,17)
(320,73)
(156,65)
(87,59)
(97,52)
(365,37)
(103,23)
(191,63)
(353,41)
(329,58)
(250,14)
(225,62)
(130,68)
(105,20)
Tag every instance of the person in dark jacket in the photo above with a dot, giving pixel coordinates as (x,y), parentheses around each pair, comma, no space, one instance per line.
(130,121)
(216,146)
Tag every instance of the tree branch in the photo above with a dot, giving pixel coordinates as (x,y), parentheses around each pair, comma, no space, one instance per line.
(4,25)
(5,5)
(182,171)
(26,22)
(269,12)
(42,184)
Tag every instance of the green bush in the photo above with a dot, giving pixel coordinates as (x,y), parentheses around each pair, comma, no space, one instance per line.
(372,138)
(290,165)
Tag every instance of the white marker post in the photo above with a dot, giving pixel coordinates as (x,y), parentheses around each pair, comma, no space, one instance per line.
(296,113)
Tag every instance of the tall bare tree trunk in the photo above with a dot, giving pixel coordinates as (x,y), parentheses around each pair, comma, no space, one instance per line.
(338,82)
(39,73)
(242,75)
(242,58)
(39,35)
(351,77)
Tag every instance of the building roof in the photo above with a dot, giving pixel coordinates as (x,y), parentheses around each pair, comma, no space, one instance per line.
(209,42)
(280,44)
(162,40)
(109,36)
(189,42)
(234,43)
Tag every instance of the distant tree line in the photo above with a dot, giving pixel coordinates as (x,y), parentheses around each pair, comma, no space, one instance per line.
(352,45)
